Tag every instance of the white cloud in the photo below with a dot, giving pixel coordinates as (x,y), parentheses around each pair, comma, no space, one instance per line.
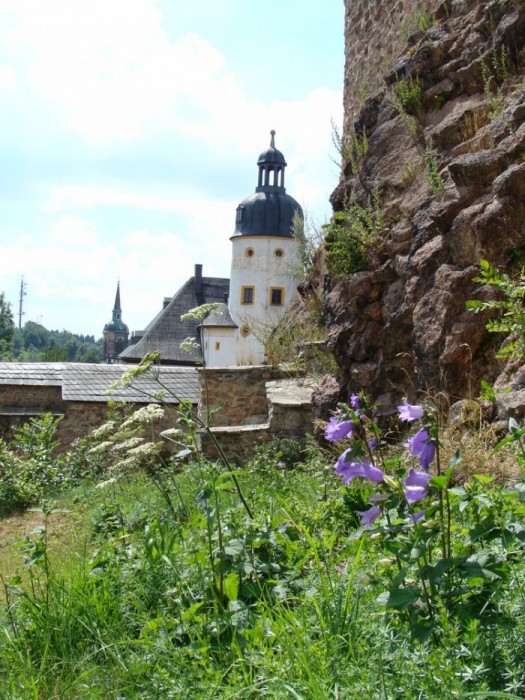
(110,73)
(7,76)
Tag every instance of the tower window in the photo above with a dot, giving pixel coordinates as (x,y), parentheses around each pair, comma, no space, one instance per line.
(279,253)
(249,252)
(217,345)
(247,295)
(245,330)
(276,296)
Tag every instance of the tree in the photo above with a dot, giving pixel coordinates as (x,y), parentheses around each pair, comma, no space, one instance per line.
(7,328)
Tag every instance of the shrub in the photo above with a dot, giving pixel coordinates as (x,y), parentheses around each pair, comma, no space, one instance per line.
(352,237)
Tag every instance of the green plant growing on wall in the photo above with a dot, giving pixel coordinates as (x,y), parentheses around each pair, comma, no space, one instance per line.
(420,21)
(511,321)
(407,99)
(351,150)
(494,71)
(353,236)
(309,238)
(435,181)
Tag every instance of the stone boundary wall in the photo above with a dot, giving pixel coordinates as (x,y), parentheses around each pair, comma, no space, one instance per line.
(19,403)
(237,394)
(375,34)
(289,416)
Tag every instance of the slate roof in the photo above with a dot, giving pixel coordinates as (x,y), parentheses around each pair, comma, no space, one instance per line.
(220,318)
(90,382)
(166,332)
(32,373)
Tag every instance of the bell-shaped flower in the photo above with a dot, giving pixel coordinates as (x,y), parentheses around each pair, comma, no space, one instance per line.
(353,470)
(337,429)
(369,516)
(409,412)
(416,485)
(416,517)
(354,401)
(422,446)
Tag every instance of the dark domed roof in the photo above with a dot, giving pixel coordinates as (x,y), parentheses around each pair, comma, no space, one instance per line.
(271,155)
(269,211)
(116,327)
(267,214)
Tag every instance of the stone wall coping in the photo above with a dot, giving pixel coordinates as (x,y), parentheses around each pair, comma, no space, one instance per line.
(29,411)
(235,370)
(290,392)
(237,429)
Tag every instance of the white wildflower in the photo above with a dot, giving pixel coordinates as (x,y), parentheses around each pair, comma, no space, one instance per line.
(124,464)
(146,450)
(108,482)
(101,447)
(147,414)
(127,444)
(189,345)
(104,430)
(171,433)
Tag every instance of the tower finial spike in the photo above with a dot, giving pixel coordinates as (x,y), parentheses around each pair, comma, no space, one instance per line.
(272,142)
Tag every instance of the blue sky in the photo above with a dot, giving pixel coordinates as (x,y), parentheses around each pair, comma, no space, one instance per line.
(130,131)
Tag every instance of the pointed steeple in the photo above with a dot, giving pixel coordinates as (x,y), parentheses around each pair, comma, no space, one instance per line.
(115,333)
(117,311)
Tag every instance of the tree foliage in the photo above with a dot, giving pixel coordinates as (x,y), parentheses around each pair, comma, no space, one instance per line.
(34,343)
(7,327)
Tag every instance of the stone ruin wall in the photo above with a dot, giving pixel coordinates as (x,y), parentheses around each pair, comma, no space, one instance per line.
(375,34)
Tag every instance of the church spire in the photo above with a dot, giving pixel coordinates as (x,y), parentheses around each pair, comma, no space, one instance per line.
(116,333)
(117,311)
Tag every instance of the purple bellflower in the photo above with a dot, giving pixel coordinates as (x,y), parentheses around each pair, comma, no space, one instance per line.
(409,412)
(352,470)
(337,429)
(354,401)
(369,516)
(416,517)
(416,485)
(421,446)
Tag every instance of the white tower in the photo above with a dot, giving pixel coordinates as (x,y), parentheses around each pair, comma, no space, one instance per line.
(265,270)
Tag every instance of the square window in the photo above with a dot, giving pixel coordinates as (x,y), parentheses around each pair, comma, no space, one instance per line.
(276,296)
(247,294)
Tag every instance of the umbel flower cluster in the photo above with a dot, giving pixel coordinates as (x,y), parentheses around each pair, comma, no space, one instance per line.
(363,459)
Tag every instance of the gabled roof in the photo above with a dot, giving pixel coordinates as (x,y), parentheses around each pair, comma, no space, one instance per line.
(90,382)
(166,332)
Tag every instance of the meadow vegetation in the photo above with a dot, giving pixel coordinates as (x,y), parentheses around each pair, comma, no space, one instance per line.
(362,567)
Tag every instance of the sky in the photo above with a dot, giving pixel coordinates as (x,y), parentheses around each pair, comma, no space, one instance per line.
(130,131)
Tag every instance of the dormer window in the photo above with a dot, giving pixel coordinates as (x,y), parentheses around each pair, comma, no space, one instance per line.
(240,212)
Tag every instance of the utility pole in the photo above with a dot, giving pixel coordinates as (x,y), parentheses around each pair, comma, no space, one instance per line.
(23,292)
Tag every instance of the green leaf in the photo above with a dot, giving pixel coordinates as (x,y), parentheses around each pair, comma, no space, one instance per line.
(436,572)
(438,482)
(231,585)
(402,598)
(234,548)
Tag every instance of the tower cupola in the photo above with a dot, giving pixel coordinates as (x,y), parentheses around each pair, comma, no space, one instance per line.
(269,211)
(271,168)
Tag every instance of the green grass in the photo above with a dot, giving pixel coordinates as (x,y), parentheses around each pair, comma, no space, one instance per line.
(123,596)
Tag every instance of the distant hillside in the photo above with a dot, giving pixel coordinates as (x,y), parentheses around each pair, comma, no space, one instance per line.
(34,343)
